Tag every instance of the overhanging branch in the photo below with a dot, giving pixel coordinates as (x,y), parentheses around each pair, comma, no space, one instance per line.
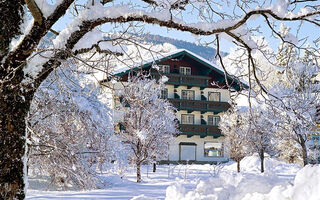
(35,11)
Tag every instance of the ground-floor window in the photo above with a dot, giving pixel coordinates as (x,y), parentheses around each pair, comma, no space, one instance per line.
(213,149)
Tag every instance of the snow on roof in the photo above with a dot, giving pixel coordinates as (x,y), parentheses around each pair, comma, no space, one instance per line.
(161,56)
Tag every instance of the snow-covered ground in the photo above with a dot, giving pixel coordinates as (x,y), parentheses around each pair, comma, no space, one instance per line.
(188,182)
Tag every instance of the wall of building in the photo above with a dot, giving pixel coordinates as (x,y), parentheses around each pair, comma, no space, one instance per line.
(174,150)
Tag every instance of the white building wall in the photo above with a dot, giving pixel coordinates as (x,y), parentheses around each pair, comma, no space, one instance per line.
(197,115)
(196,89)
(225,94)
(170,91)
(174,148)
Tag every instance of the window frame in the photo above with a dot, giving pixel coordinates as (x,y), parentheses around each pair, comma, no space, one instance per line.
(215,120)
(165,69)
(209,93)
(219,154)
(194,94)
(164,91)
(183,70)
(188,118)
(316,140)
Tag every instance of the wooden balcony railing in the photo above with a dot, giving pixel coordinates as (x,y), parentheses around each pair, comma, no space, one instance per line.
(200,105)
(188,80)
(202,130)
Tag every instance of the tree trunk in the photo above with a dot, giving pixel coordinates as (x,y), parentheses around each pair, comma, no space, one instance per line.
(13,113)
(138,173)
(154,167)
(238,166)
(304,153)
(302,143)
(262,160)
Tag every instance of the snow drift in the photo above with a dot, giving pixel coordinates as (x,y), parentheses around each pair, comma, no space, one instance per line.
(252,185)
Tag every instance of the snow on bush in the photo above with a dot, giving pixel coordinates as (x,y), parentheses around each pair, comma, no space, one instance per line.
(250,184)
(307,183)
(306,186)
(252,164)
(223,187)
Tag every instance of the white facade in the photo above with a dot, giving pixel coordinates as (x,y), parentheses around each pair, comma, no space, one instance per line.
(177,153)
(185,148)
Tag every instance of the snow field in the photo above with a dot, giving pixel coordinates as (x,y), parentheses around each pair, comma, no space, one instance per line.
(281,181)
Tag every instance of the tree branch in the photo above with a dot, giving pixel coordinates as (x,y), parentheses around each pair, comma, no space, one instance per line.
(35,11)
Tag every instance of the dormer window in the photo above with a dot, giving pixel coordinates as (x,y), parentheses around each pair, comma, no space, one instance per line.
(185,70)
(164,69)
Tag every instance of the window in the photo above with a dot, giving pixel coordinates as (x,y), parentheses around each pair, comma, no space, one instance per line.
(187,94)
(316,140)
(117,102)
(214,96)
(213,149)
(187,119)
(185,70)
(164,69)
(164,93)
(213,120)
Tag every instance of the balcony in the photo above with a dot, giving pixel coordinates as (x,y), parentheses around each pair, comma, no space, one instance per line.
(198,105)
(187,80)
(202,130)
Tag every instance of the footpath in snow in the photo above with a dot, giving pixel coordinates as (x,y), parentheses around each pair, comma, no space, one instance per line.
(280,181)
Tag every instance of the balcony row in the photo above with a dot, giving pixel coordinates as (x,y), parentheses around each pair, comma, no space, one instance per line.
(191,130)
(198,105)
(202,130)
(187,80)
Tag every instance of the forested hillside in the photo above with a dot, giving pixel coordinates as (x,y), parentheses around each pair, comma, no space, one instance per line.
(205,52)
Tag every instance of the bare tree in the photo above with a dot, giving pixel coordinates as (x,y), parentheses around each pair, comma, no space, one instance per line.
(149,121)
(295,106)
(24,66)
(261,135)
(69,131)
(289,150)
(233,126)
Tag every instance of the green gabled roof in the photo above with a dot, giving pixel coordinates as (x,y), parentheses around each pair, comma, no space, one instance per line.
(177,53)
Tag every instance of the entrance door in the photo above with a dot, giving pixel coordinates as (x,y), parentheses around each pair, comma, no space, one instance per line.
(187,151)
